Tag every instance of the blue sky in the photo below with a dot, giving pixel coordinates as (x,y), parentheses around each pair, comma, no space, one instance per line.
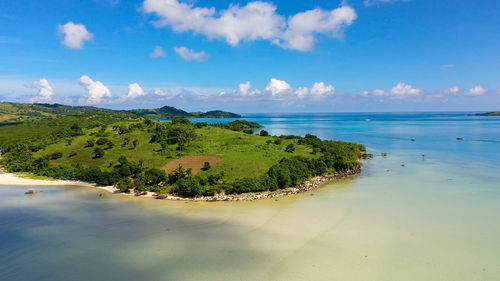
(246,56)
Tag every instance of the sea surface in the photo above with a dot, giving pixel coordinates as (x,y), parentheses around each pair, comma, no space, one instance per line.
(430,210)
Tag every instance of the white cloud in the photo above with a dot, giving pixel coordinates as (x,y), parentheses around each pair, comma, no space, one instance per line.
(277,90)
(452,90)
(74,35)
(277,87)
(302,92)
(302,27)
(378,2)
(96,91)
(45,91)
(256,20)
(134,91)
(321,91)
(404,90)
(244,88)
(476,90)
(190,55)
(157,52)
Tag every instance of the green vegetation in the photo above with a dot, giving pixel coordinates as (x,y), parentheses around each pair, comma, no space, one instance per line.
(493,113)
(12,113)
(169,112)
(132,153)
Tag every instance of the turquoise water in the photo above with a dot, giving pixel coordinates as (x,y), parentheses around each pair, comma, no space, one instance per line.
(436,218)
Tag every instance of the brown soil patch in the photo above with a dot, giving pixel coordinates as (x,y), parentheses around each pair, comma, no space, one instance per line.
(193,162)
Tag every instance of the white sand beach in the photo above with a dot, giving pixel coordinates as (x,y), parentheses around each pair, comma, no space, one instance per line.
(13,179)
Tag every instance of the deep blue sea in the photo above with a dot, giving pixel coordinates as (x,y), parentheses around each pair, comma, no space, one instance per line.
(429,210)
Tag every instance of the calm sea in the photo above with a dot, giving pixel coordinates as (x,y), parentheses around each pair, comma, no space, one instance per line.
(430,210)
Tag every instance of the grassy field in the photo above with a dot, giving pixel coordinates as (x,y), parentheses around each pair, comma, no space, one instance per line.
(243,155)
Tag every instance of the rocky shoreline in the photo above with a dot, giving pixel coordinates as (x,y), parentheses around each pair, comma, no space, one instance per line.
(250,196)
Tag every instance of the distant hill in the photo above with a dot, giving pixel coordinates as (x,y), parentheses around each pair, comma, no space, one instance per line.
(493,113)
(169,112)
(11,112)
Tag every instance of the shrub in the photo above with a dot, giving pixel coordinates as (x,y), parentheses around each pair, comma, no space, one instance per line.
(188,187)
(206,166)
(90,143)
(98,152)
(264,133)
(290,148)
(246,185)
(55,155)
(278,141)
(102,141)
(124,185)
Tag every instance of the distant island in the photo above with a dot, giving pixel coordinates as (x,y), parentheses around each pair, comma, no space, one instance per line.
(131,154)
(493,113)
(11,112)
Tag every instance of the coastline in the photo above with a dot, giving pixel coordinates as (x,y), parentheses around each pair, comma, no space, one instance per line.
(13,179)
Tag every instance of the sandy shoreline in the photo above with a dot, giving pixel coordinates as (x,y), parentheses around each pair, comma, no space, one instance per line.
(13,179)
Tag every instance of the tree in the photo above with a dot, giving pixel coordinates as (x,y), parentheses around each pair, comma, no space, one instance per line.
(181,120)
(178,173)
(290,148)
(154,176)
(98,152)
(206,166)
(102,141)
(122,160)
(263,133)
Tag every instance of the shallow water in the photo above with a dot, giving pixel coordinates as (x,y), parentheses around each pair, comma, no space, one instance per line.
(436,218)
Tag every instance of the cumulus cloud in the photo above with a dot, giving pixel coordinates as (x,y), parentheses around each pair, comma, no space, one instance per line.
(244,88)
(277,87)
(404,90)
(134,91)
(190,55)
(74,35)
(378,2)
(157,52)
(476,90)
(45,91)
(321,91)
(96,91)
(256,20)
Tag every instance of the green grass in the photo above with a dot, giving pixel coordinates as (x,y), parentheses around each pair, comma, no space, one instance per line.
(243,155)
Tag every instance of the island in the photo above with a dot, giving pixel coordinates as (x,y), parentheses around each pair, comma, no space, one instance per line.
(175,159)
(14,113)
(493,113)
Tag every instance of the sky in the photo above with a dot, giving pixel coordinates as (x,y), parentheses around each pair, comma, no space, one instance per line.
(253,56)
